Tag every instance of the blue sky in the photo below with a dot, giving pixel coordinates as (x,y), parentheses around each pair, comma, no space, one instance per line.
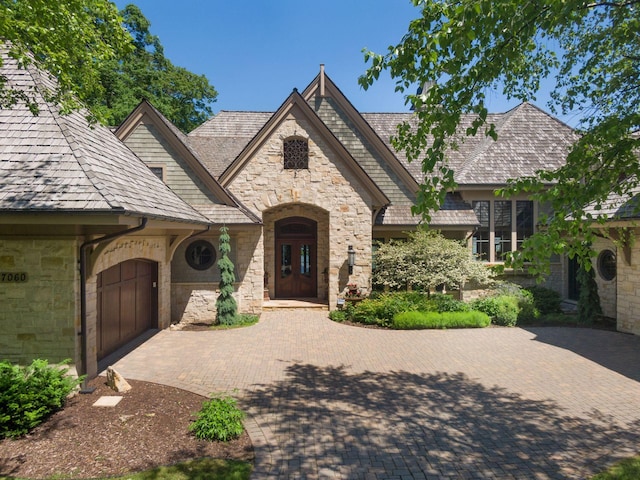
(254,52)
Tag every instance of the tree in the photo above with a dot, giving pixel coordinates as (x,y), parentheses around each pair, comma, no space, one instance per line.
(69,38)
(103,59)
(464,50)
(425,261)
(182,96)
(226,306)
(589,308)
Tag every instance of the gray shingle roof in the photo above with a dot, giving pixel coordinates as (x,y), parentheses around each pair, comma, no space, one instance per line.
(619,207)
(454,213)
(57,163)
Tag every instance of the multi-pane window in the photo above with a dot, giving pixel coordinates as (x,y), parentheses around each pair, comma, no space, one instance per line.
(502,228)
(296,154)
(524,221)
(481,235)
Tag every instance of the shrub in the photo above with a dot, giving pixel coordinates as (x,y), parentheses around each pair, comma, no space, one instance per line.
(446,303)
(545,299)
(218,419)
(422,320)
(380,309)
(502,309)
(29,394)
(338,315)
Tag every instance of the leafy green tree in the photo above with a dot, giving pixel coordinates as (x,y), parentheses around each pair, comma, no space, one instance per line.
(226,306)
(182,96)
(69,38)
(426,261)
(468,49)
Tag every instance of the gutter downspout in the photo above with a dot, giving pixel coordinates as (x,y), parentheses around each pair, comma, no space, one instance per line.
(83,295)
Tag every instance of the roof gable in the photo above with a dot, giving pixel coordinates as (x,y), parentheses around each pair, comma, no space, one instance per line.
(296,103)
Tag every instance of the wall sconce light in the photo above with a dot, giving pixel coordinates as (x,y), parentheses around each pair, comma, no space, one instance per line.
(351,258)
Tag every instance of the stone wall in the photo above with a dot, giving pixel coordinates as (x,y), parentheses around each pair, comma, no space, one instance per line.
(628,291)
(40,316)
(329,190)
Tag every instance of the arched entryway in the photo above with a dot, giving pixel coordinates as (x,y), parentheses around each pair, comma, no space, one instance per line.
(296,258)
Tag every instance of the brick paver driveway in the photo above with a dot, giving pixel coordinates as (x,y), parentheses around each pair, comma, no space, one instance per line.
(332,401)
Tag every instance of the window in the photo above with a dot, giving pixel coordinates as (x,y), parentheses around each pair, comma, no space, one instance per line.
(481,235)
(502,228)
(296,154)
(158,172)
(607,265)
(524,221)
(200,255)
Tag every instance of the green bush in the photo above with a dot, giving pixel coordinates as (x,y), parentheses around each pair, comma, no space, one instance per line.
(502,309)
(420,320)
(218,419)
(545,299)
(446,303)
(29,394)
(338,316)
(380,309)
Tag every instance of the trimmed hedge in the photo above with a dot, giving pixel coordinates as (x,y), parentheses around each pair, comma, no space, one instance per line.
(503,309)
(421,320)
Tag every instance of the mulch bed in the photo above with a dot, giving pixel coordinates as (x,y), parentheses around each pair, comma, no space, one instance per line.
(147,429)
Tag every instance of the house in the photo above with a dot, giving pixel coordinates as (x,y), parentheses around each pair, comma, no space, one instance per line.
(105,235)
(87,233)
(318,179)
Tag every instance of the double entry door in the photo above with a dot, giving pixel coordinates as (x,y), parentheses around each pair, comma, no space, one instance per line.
(296,258)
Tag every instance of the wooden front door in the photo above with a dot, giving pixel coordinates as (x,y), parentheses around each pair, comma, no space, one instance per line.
(296,258)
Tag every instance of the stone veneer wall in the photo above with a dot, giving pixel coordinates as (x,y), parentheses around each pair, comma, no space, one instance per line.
(39,318)
(628,291)
(607,290)
(328,185)
(194,293)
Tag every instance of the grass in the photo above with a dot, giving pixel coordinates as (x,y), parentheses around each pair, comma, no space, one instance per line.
(242,320)
(627,469)
(200,469)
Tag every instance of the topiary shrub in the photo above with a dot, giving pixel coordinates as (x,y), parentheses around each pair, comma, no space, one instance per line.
(218,419)
(226,306)
(502,309)
(29,394)
(422,320)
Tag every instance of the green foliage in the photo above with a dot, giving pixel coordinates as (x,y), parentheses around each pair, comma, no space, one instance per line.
(425,261)
(502,309)
(380,310)
(218,419)
(446,303)
(226,306)
(545,300)
(467,48)
(627,469)
(198,469)
(421,320)
(29,394)
(145,73)
(589,309)
(338,315)
(71,39)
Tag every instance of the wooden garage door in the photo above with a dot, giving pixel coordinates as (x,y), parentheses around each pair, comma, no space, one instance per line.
(127,303)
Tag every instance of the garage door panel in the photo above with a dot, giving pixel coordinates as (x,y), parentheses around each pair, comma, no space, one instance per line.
(127,303)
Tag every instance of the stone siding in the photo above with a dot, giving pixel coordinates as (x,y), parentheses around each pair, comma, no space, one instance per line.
(628,294)
(328,190)
(39,318)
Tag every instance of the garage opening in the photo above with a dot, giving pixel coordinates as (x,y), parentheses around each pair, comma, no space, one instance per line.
(127,304)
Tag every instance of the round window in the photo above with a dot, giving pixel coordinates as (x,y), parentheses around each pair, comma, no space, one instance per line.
(607,264)
(200,255)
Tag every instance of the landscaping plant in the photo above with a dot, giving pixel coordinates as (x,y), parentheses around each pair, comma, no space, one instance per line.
(219,419)
(502,309)
(226,306)
(29,394)
(589,309)
(421,320)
